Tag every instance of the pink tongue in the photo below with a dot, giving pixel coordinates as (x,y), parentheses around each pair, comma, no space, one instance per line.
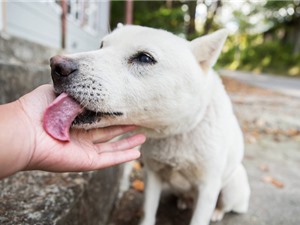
(59,116)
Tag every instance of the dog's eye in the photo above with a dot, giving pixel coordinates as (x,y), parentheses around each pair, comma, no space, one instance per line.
(143,58)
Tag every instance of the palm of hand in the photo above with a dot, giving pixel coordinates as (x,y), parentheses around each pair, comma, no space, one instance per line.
(87,150)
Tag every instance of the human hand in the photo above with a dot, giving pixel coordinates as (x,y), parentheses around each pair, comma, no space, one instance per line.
(87,150)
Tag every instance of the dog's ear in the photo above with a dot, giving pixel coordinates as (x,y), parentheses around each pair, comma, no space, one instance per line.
(208,48)
(120,25)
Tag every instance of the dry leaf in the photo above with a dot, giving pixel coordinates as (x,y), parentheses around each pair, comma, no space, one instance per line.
(276,138)
(259,122)
(292,132)
(137,165)
(273,181)
(264,167)
(250,139)
(138,185)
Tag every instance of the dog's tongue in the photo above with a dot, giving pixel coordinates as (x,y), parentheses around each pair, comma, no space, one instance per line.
(59,116)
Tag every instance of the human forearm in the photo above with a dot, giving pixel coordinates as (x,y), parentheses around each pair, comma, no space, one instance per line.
(15,139)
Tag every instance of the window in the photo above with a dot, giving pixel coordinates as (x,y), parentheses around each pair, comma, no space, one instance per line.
(85,13)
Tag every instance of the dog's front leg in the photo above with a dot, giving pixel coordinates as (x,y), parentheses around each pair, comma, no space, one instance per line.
(208,192)
(151,198)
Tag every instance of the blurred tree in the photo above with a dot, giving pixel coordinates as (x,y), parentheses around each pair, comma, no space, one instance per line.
(117,13)
(267,39)
(192,5)
(158,14)
(278,21)
(212,9)
(285,16)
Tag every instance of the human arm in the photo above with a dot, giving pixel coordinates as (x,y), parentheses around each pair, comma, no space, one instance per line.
(24,145)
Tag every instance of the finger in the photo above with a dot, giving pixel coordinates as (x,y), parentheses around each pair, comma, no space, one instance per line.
(108,133)
(107,159)
(90,162)
(99,135)
(126,143)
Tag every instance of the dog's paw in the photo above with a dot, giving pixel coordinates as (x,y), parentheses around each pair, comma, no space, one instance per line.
(217,215)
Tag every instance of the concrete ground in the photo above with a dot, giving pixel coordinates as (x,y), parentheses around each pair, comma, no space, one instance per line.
(286,85)
(271,125)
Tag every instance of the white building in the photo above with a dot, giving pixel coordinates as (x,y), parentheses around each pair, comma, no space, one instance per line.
(42,21)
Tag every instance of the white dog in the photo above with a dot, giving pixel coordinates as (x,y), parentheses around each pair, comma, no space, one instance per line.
(165,85)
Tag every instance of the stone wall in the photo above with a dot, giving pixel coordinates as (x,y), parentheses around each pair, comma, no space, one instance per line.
(23,66)
(36,197)
(17,80)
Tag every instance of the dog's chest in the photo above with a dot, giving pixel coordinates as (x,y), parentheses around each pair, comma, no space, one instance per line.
(178,161)
(180,177)
(184,160)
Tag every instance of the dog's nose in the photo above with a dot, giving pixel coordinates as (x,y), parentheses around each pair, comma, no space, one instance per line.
(62,66)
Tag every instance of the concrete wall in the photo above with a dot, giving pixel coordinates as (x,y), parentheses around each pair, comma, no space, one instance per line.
(1,16)
(17,80)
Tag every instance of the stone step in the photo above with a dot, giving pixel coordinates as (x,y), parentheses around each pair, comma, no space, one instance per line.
(17,50)
(36,197)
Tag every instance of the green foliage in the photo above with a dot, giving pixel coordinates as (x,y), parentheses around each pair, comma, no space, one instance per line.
(163,18)
(151,13)
(253,54)
(117,13)
(276,5)
(276,49)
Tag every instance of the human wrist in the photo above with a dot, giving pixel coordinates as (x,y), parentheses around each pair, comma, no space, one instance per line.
(16,138)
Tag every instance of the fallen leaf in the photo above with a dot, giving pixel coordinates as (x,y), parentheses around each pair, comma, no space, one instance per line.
(137,165)
(264,167)
(276,138)
(250,139)
(273,181)
(259,122)
(292,132)
(138,185)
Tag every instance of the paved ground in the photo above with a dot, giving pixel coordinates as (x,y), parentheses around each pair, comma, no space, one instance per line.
(271,124)
(286,85)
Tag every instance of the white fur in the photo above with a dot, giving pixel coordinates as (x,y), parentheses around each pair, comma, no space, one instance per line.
(194,141)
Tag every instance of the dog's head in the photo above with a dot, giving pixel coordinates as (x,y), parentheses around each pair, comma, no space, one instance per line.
(140,76)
